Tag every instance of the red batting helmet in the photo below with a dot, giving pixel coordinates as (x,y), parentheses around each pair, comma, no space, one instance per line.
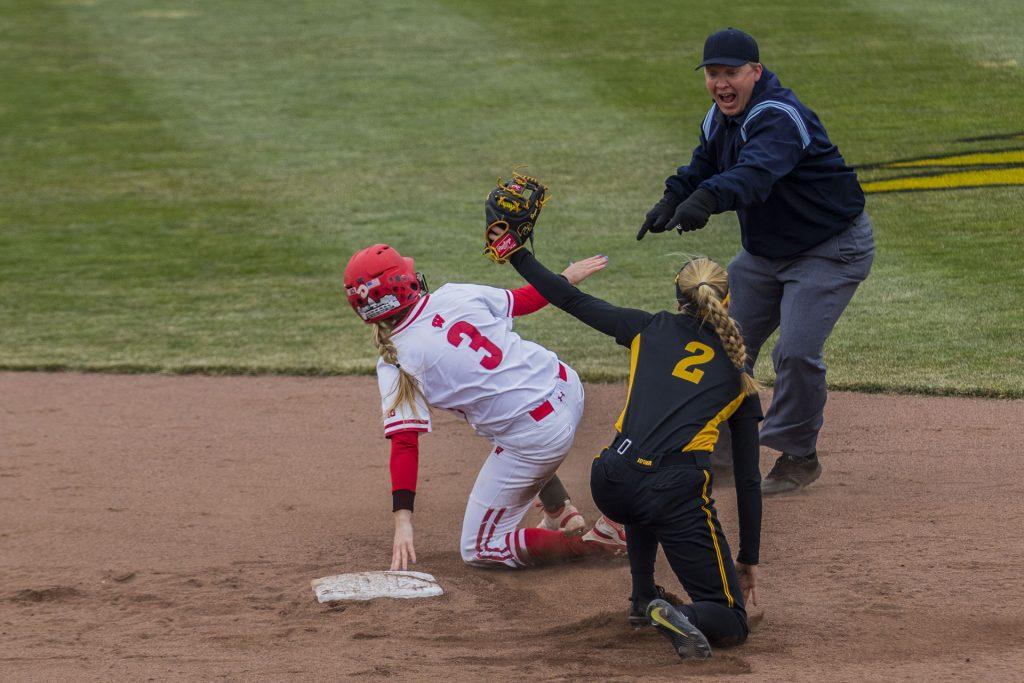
(380,283)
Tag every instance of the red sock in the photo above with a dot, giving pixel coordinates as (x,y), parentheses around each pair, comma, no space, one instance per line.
(544,545)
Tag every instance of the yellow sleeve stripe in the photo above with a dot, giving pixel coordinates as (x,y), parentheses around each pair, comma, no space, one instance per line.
(714,537)
(708,435)
(634,352)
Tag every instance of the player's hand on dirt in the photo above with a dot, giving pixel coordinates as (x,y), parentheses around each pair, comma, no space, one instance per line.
(402,552)
(747,574)
(579,271)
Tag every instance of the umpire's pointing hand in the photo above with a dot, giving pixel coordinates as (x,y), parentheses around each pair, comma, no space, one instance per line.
(694,213)
(657,217)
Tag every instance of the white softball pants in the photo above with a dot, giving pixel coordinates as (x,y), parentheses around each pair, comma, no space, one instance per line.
(520,463)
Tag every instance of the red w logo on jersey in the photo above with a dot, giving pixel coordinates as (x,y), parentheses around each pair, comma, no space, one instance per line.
(438,321)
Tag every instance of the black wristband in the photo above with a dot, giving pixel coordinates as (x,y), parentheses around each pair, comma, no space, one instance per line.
(402,499)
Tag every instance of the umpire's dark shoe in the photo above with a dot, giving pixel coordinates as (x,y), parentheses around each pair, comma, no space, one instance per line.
(638,608)
(688,641)
(791,473)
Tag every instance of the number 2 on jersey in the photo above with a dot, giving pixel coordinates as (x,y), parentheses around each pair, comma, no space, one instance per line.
(684,369)
(477,341)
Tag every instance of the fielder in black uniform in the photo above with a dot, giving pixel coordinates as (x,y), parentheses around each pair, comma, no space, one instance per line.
(685,378)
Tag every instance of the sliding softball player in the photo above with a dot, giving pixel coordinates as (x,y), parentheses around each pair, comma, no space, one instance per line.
(455,349)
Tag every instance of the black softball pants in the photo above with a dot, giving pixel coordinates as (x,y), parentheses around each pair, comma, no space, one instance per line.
(669,504)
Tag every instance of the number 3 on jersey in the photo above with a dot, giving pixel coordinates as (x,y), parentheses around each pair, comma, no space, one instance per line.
(477,341)
(684,368)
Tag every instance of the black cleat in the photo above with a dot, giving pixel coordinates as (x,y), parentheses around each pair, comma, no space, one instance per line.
(791,473)
(688,641)
(638,609)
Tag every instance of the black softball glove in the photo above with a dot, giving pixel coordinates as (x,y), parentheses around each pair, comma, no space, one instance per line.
(511,211)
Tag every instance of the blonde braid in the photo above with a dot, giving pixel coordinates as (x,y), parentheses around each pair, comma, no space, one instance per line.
(705,284)
(731,340)
(408,387)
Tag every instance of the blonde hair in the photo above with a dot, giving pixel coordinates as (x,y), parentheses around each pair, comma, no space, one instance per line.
(408,387)
(703,284)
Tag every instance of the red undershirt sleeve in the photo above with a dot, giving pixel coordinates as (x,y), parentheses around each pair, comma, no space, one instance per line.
(526,300)
(405,460)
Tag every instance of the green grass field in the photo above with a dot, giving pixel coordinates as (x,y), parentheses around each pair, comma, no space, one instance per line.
(182,181)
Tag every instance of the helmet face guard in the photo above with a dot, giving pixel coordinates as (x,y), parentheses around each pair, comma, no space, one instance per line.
(370,302)
(380,283)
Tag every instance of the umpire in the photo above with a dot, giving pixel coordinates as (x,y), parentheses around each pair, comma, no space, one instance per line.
(807,242)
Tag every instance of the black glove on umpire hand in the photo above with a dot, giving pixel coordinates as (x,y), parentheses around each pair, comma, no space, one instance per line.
(694,213)
(657,217)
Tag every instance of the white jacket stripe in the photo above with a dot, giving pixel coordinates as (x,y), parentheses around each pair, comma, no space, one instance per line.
(708,118)
(787,109)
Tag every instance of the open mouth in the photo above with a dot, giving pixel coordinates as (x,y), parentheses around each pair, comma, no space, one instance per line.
(727,99)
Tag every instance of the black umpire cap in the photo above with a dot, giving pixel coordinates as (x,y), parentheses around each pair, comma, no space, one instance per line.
(730,47)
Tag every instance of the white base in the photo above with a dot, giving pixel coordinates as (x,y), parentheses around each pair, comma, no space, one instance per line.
(370,585)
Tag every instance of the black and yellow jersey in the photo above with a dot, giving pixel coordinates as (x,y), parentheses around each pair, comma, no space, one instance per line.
(682,384)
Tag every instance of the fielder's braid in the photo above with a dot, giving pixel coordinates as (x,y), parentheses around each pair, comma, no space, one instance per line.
(704,283)
(408,388)
(726,329)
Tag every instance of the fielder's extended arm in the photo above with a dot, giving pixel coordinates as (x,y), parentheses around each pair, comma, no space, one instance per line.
(615,321)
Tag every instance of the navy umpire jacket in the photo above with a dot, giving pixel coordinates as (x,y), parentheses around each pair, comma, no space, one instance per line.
(775,166)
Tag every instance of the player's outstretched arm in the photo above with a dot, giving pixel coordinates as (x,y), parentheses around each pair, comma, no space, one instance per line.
(621,323)
(527,300)
(579,271)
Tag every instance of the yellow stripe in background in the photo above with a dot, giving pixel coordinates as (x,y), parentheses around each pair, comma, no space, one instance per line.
(634,352)
(714,537)
(1009,156)
(948,181)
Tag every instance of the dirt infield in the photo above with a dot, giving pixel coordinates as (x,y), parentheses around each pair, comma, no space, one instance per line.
(168,527)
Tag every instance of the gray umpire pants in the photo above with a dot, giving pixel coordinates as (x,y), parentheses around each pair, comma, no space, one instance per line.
(802,296)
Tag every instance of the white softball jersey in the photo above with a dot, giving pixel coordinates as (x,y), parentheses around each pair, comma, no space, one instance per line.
(459,344)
